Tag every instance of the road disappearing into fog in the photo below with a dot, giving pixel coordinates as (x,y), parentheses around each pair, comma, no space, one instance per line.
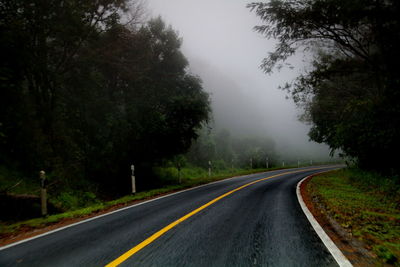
(243,221)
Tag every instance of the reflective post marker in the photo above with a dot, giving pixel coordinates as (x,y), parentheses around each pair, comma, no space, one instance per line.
(43,193)
(209,168)
(133,179)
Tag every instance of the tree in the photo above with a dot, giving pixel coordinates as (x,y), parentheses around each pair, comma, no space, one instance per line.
(223,144)
(40,41)
(351,92)
(140,105)
(225,150)
(84,95)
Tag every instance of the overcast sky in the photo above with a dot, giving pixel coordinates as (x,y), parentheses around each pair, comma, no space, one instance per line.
(223,49)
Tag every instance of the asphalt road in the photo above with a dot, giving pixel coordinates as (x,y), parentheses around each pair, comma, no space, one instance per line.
(259,225)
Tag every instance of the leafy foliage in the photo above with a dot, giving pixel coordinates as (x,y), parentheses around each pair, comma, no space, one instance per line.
(351,93)
(84,95)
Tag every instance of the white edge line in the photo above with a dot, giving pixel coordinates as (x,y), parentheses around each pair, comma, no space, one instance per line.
(122,209)
(128,207)
(333,249)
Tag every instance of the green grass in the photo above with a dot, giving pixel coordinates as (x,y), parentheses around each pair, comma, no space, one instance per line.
(365,203)
(190,177)
(44,221)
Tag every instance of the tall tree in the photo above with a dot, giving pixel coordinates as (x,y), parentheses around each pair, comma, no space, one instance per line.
(39,44)
(351,92)
(84,95)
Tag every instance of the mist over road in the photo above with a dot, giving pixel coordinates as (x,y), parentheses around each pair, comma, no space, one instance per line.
(259,223)
(225,52)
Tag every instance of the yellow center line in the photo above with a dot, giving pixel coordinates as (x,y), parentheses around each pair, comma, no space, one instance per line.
(156,235)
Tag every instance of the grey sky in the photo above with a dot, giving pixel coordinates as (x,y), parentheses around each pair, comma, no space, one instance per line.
(225,52)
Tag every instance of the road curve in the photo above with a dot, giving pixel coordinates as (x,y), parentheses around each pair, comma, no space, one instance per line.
(259,224)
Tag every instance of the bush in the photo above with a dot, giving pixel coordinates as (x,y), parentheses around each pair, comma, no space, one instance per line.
(372,180)
(70,200)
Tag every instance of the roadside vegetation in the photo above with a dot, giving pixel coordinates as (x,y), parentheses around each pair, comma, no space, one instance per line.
(349,89)
(366,204)
(72,204)
(68,196)
(89,88)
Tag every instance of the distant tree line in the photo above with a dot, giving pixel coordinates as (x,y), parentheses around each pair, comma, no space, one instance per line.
(225,150)
(351,92)
(87,88)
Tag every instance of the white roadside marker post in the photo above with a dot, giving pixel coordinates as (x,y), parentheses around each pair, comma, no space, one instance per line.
(133,179)
(209,168)
(266,162)
(43,193)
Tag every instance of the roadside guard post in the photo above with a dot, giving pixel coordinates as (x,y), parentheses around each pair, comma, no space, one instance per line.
(133,179)
(209,168)
(43,193)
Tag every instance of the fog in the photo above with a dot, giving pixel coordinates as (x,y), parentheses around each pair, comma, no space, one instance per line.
(223,49)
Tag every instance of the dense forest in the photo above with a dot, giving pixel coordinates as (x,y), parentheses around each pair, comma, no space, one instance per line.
(89,88)
(350,90)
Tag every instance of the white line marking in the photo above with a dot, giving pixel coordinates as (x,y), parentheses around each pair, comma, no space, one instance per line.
(135,205)
(333,249)
(125,208)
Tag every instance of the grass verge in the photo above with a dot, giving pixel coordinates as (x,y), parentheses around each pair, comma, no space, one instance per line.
(7,230)
(366,204)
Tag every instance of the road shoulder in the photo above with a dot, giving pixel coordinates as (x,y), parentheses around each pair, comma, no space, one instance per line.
(320,226)
(350,247)
(28,232)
